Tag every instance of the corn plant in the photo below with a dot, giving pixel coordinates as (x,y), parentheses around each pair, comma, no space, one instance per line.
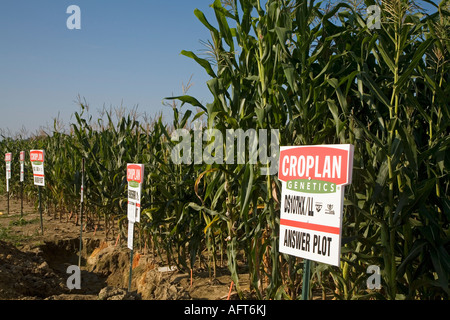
(322,82)
(318,75)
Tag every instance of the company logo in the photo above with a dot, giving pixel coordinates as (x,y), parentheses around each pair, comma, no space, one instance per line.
(134,173)
(36,155)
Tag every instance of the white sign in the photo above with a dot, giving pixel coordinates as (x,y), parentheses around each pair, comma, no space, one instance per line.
(135,174)
(8,159)
(312,198)
(22,160)
(37,162)
(130,235)
(82,182)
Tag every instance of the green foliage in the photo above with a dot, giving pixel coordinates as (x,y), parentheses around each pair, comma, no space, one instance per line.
(325,77)
(318,76)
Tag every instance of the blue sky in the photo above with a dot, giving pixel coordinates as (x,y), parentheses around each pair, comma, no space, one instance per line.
(126,53)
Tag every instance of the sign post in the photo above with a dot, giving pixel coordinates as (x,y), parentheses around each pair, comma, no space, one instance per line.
(306,278)
(313,184)
(8,159)
(22,173)
(81,213)
(135,174)
(37,162)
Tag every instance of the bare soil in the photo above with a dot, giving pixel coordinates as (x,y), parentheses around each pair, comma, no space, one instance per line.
(33,266)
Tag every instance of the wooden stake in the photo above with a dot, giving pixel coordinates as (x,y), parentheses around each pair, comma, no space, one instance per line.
(229,292)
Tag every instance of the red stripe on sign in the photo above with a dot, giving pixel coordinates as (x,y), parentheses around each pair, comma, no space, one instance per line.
(38,175)
(309,226)
(137,204)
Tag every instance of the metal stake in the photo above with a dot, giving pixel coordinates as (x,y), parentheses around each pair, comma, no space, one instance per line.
(81,214)
(131,270)
(40,210)
(131,265)
(21,199)
(306,276)
(7,189)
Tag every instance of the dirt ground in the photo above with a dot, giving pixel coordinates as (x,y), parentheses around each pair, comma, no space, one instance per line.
(35,266)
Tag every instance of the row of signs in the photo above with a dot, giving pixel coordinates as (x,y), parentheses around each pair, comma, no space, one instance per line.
(313,182)
(37,163)
(135,173)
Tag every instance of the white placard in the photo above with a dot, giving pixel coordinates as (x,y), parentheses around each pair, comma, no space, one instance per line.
(310,225)
(135,175)
(37,162)
(312,198)
(132,211)
(8,159)
(82,181)
(130,235)
(22,170)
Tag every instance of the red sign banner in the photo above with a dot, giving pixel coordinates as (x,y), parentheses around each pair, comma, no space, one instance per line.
(134,173)
(331,163)
(36,155)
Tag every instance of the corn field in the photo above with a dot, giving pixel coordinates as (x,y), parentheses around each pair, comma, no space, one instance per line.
(319,75)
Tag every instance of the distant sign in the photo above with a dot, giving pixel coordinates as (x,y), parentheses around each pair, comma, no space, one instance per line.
(8,159)
(37,162)
(312,198)
(22,160)
(135,174)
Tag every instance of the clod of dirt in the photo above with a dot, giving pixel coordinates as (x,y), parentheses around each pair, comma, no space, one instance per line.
(154,285)
(149,283)
(110,262)
(111,293)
